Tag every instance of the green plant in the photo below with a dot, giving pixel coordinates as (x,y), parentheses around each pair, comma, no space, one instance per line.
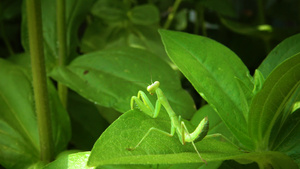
(105,51)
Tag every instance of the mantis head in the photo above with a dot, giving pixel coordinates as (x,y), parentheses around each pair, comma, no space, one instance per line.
(152,88)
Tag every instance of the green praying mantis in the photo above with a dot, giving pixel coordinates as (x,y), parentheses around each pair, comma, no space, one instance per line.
(178,126)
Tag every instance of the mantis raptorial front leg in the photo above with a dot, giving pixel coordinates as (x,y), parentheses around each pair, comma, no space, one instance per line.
(178,126)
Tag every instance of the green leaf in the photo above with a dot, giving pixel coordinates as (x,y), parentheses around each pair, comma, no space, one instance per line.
(268,105)
(111,77)
(258,81)
(213,70)
(181,19)
(19,140)
(144,14)
(76,11)
(157,148)
(286,49)
(111,11)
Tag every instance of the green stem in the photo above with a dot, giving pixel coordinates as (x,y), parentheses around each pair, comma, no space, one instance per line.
(202,20)
(39,79)
(261,14)
(172,14)
(62,45)
(262,20)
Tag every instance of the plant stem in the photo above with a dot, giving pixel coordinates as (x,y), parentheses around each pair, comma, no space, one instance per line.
(39,79)
(261,21)
(62,45)
(172,14)
(261,14)
(202,20)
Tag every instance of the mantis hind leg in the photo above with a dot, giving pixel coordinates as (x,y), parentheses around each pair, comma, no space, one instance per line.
(148,132)
(185,130)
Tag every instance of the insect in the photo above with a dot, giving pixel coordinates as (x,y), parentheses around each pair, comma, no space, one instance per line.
(178,126)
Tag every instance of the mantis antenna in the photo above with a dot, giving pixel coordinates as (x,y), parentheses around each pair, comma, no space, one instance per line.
(178,126)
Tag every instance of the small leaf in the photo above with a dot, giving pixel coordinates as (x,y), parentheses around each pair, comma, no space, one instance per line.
(111,77)
(111,11)
(267,106)
(144,14)
(258,81)
(213,69)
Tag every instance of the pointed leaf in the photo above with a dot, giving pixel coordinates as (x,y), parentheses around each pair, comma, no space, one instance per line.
(267,106)
(286,49)
(213,70)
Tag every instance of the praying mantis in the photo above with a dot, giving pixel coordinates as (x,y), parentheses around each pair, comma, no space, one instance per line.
(178,126)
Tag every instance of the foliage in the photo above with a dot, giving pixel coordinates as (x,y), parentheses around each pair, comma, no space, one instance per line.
(116,48)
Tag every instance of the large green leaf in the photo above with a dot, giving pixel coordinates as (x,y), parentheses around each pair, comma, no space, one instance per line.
(19,140)
(157,148)
(268,104)
(286,49)
(76,11)
(112,146)
(111,77)
(216,73)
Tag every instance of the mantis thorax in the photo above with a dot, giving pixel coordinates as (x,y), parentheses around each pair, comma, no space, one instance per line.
(152,88)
